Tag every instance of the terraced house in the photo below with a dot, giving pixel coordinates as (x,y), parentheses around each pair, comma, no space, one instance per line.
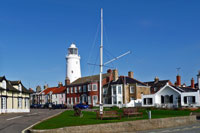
(86,89)
(14,97)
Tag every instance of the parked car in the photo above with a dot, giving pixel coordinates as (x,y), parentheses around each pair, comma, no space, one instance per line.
(81,106)
(60,106)
(36,106)
(48,105)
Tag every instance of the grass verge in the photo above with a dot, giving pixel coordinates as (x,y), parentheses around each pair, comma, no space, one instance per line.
(67,118)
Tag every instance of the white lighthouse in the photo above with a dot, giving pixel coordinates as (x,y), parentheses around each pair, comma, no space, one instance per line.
(73,63)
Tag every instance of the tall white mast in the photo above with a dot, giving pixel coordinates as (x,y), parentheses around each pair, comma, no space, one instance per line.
(101,59)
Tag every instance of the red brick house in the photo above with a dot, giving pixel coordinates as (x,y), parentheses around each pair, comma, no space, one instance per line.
(86,89)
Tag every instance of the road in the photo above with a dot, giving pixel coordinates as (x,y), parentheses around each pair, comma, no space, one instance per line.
(192,128)
(16,122)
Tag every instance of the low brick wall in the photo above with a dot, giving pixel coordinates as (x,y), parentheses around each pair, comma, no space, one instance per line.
(128,126)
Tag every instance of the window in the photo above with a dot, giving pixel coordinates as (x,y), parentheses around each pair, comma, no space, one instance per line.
(132,98)
(26,102)
(79,99)
(105,90)
(114,100)
(19,102)
(3,103)
(72,100)
(75,90)
(167,99)
(75,100)
(4,84)
(67,100)
(80,89)
(114,90)
(67,90)
(189,100)
(95,99)
(148,101)
(89,99)
(20,87)
(89,87)
(71,89)
(94,87)
(119,90)
(84,88)
(132,89)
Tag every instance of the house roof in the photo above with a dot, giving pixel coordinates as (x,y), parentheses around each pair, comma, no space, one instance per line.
(55,90)
(185,89)
(157,84)
(10,87)
(24,90)
(124,79)
(2,78)
(88,79)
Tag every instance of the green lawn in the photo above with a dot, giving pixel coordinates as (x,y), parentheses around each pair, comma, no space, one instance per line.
(67,118)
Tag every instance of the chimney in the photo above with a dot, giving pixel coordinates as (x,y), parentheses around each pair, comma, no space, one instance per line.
(198,80)
(60,84)
(109,71)
(156,79)
(115,74)
(178,80)
(110,77)
(130,74)
(192,83)
(67,81)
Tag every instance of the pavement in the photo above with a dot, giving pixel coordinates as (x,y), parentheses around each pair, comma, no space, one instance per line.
(191,128)
(16,122)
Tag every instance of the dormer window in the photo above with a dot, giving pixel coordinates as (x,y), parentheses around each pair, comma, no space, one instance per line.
(4,84)
(20,87)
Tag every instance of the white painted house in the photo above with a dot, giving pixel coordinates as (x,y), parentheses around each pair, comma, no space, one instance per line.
(172,96)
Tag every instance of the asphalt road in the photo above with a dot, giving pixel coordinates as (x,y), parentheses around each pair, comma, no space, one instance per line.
(16,122)
(191,128)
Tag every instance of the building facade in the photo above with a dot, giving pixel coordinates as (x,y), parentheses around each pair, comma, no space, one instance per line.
(86,89)
(14,97)
(124,90)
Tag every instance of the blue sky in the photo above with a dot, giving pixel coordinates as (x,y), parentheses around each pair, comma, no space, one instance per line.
(162,35)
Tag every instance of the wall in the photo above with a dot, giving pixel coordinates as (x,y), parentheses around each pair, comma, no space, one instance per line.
(129,126)
(141,90)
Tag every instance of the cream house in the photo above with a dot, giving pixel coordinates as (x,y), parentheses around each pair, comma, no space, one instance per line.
(14,97)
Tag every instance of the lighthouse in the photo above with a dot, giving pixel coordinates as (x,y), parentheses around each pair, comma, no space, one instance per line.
(73,63)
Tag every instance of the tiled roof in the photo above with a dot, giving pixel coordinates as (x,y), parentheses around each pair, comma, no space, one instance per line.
(157,84)
(55,90)
(122,80)
(185,89)
(24,90)
(87,79)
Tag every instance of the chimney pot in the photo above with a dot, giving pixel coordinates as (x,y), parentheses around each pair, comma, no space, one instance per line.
(156,79)
(130,74)
(67,81)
